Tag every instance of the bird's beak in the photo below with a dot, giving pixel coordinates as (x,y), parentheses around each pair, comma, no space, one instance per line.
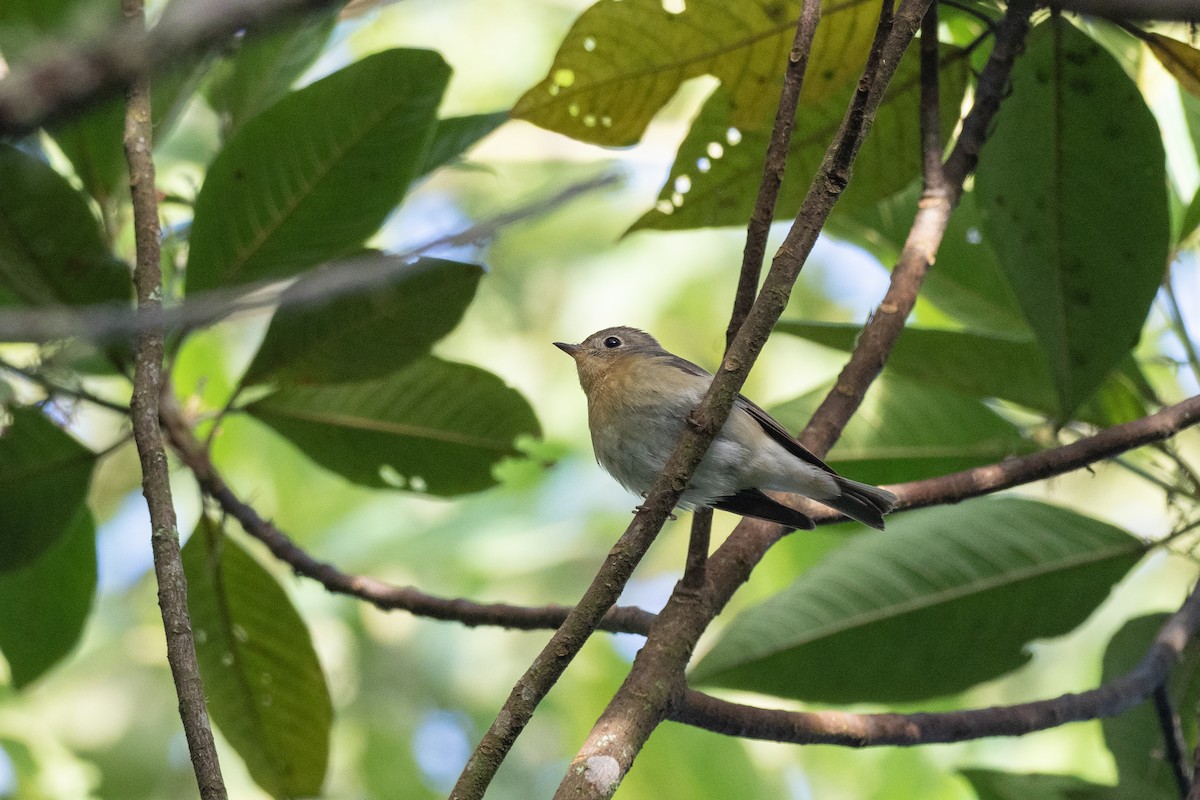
(569,349)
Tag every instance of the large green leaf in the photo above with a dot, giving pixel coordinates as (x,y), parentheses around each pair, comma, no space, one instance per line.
(1073,195)
(948,597)
(621,62)
(264,67)
(51,248)
(262,679)
(907,430)
(311,177)
(47,602)
(366,335)
(1135,737)
(44,478)
(714,182)
(434,426)
(976,364)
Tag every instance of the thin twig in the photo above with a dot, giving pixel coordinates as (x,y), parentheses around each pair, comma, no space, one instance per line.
(320,284)
(53,388)
(156,480)
(698,544)
(1179,325)
(1173,744)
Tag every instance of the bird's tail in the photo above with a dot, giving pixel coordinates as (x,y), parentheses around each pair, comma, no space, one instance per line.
(861,501)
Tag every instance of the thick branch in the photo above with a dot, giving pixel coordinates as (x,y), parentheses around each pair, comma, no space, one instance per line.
(378,593)
(156,483)
(863,730)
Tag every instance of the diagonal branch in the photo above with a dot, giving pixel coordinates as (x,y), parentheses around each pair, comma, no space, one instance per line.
(156,480)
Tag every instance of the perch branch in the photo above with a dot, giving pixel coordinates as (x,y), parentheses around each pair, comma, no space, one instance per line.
(156,482)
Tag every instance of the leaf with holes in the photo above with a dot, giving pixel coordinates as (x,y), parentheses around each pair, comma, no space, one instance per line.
(44,482)
(433,426)
(621,62)
(906,430)
(51,248)
(715,179)
(55,597)
(263,682)
(947,598)
(365,335)
(1072,191)
(314,175)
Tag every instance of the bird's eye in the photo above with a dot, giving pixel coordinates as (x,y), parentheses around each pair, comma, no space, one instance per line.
(612,342)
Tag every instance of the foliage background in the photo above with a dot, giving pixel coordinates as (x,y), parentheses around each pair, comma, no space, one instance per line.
(410,695)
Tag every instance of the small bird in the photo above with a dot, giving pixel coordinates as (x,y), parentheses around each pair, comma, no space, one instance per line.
(639,397)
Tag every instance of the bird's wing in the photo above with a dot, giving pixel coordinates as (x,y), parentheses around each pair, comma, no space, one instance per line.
(753,503)
(768,423)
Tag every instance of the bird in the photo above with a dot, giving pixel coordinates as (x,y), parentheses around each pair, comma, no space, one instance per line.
(639,396)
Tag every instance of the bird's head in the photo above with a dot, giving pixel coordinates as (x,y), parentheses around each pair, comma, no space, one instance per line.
(608,351)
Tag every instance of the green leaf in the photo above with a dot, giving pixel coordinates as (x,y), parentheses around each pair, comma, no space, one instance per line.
(1073,194)
(952,595)
(1135,737)
(454,135)
(907,430)
(53,599)
(314,175)
(995,785)
(434,426)
(262,679)
(263,68)
(43,486)
(51,248)
(706,189)
(980,365)
(361,336)
(621,62)
(967,281)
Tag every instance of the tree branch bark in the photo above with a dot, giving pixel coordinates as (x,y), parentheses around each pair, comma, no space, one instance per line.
(156,483)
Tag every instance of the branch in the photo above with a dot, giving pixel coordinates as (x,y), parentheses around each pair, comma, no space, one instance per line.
(156,482)
(319,284)
(82,73)
(1173,741)
(869,730)
(383,595)
(655,681)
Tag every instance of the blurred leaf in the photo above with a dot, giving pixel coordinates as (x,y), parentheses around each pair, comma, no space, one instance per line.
(311,177)
(906,430)
(1072,191)
(43,485)
(1135,737)
(263,68)
(1178,58)
(952,595)
(967,281)
(975,364)
(1190,219)
(705,189)
(688,762)
(455,135)
(604,86)
(361,336)
(49,601)
(263,682)
(433,426)
(51,248)
(1125,396)
(994,785)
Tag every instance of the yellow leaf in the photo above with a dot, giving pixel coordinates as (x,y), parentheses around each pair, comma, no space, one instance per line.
(1180,59)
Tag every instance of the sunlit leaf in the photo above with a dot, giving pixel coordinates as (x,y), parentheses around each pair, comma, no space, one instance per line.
(311,177)
(621,62)
(44,477)
(1072,191)
(365,335)
(48,601)
(907,430)
(714,181)
(263,682)
(51,248)
(434,426)
(1178,58)
(951,595)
